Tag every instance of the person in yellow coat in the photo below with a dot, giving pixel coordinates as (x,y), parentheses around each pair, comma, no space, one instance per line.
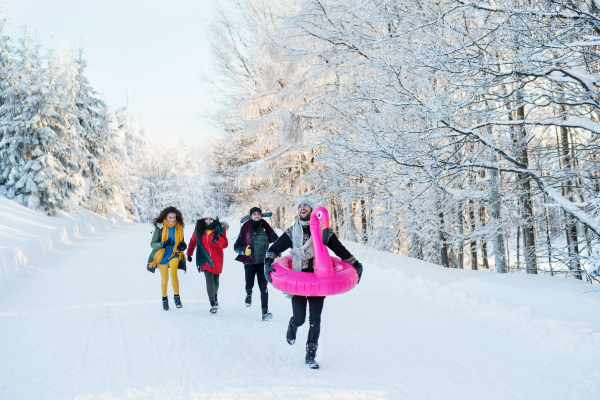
(168,246)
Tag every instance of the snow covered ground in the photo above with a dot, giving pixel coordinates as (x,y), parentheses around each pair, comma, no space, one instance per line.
(80,318)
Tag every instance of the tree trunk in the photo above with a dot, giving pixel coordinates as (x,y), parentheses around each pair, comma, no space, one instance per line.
(364,228)
(548,240)
(334,219)
(341,223)
(484,253)
(529,248)
(518,247)
(461,232)
(350,218)
(444,246)
(507,251)
(496,207)
(570,222)
(473,239)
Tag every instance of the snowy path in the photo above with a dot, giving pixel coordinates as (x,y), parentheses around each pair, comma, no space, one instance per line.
(89,324)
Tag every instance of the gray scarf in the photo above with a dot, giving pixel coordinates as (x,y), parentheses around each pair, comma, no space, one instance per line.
(300,251)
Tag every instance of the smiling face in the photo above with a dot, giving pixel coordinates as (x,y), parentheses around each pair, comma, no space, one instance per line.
(256,216)
(208,221)
(171,217)
(304,212)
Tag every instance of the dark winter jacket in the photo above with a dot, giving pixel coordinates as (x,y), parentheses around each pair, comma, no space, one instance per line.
(209,256)
(285,242)
(258,240)
(156,244)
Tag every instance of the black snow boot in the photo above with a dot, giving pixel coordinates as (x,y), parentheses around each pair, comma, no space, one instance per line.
(216,301)
(291,333)
(177,301)
(165,304)
(213,306)
(249,299)
(311,353)
(266,315)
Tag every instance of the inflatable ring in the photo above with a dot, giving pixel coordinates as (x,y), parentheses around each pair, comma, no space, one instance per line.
(331,276)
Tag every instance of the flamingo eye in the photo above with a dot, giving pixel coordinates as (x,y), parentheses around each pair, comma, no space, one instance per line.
(319,214)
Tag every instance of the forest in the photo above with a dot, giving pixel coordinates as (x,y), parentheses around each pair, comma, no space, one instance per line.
(60,144)
(463,133)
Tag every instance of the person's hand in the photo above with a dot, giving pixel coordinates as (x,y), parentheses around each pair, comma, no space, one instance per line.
(268,269)
(168,242)
(218,231)
(189,258)
(248,251)
(182,246)
(359,270)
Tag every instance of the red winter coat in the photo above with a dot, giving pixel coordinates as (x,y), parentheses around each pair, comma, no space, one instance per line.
(215,250)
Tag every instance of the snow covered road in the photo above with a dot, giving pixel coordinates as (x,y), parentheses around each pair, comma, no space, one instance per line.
(88,324)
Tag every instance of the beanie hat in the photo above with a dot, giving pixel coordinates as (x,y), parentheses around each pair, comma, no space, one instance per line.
(307,202)
(253,209)
(210,213)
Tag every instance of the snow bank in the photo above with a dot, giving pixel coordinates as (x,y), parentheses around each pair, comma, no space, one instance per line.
(27,236)
(558,312)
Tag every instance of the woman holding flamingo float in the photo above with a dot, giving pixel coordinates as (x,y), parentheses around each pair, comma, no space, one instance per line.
(330,278)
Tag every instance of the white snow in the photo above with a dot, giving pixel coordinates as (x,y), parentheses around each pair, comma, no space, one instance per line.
(80,317)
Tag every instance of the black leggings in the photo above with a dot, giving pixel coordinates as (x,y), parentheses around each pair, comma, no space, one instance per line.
(259,271)
(315,305)
(212,284)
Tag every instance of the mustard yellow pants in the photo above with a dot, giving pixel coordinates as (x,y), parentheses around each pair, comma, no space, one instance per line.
(164,276)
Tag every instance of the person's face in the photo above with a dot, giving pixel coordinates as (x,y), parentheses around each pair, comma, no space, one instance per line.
(256,215)
(304,212)
(208,221)
(171,217)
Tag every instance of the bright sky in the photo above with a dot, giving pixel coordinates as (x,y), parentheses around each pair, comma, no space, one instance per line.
(157,49)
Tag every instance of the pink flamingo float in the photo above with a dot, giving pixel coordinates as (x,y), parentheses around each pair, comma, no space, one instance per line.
(331,276)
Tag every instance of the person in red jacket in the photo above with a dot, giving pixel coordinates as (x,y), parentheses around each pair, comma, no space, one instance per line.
(210,236)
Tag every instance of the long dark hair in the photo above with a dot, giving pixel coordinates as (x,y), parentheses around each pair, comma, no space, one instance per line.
(163,214)
(200,226)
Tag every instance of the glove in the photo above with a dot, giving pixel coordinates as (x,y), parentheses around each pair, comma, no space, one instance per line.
(359,269)
(248,251)
(168,242)
(218,231)
(182,246)
(268,269)
(189,258)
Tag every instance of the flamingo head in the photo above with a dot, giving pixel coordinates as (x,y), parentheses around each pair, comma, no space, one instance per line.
(320,220)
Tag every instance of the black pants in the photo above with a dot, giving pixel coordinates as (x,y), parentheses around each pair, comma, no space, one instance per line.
(315,305)
(212,284)
(259,271)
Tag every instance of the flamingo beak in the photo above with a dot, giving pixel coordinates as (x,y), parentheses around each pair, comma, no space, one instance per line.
(326,233)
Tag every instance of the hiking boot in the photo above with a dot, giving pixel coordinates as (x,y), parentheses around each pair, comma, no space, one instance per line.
(213,306)
(291,333)
(216,301)
(311,353)
(249,299)
(266,315)
(177,301)
(165,304)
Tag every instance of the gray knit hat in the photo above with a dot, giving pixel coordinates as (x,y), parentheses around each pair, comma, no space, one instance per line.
(307,202)
(210,213)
